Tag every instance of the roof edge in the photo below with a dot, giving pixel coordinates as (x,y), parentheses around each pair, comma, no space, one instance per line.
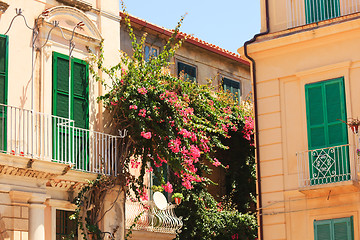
(190,39)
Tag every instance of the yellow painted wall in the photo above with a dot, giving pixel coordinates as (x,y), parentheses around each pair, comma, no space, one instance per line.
(285,62)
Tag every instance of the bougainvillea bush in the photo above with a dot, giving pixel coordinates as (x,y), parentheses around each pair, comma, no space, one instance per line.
(168,120)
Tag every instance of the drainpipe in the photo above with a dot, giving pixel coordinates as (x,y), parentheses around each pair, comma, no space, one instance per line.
(257,152)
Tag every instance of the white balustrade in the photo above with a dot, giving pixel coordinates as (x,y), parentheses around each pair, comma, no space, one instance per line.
(43,136)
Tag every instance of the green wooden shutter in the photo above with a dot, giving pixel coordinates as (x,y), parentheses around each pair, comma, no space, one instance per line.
(322,230)
(319,10)
(334,229)
(81,94)
(3,89)
(71,144)
(325,106)
(343,229)
(61,85)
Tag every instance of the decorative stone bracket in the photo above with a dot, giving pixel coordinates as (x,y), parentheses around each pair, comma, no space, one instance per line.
(80,4)
(3,6)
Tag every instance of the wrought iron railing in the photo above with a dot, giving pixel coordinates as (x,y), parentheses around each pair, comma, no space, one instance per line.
(150,218)
(43,136)
(327,165)
(301,12)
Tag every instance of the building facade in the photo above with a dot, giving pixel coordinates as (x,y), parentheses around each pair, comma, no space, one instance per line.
(52,137)
(305,71)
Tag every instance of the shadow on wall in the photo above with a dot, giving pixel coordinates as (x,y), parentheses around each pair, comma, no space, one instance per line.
(3,234)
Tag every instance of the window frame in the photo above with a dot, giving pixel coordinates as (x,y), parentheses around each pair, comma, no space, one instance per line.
(58,152)
(150,48)
(348,220)
(186,63)
(222,77)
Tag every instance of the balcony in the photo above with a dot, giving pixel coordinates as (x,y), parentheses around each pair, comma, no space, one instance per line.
(327,167)
(152,219)
(302,12)
(50,138)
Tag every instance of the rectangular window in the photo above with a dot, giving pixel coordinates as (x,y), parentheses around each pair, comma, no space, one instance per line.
(150,52)
(68,139)
(233,87)
(319,10)
(334,229)
(65,228)
(3,89)
(327,135)
(188,71)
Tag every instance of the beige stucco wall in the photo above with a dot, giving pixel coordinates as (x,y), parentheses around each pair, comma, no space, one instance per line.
(284,64)
(32,193)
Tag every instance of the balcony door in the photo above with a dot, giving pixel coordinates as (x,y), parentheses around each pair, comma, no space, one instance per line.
(319,10)
(3,90)
(71,138)
(327,135)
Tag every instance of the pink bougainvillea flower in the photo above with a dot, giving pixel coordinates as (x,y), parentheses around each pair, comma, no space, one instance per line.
(134,164)
(216,162)
(168,187)
(150,169)
(113,103)
(146,135)
(133,107)
(174,145)
(195,152)
(142,112)
(143,194)
(187,185)
(142,90)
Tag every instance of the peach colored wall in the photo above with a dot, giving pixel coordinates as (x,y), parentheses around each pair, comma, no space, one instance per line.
(284,64)
(100,22)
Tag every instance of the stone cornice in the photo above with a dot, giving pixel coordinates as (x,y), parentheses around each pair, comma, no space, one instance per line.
(82,5)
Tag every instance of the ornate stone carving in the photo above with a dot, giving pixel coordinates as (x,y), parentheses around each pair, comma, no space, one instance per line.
(82,5)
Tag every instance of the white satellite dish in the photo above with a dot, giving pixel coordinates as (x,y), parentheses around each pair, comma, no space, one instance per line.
(160,200)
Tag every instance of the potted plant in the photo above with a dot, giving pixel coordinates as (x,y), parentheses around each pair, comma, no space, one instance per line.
(177,197)
(354,123)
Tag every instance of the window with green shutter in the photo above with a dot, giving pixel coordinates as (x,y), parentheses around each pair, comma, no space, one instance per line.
(233,87)
(71,140)
(319,10)
(188,71)
(327,135)
(3,89)
(334,229)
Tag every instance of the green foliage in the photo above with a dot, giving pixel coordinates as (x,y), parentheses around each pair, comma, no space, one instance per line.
(209,219)
(90,206)
(157,188)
